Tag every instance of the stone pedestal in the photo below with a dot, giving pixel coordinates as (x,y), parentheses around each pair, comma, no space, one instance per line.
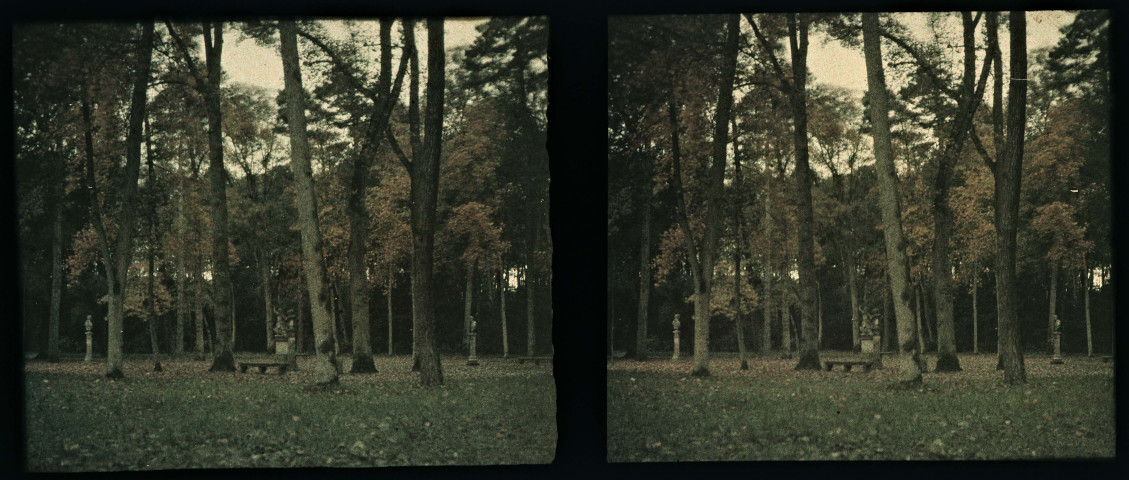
(89,340)
(676,324)
(868,344)
(1057,339)
(472,359)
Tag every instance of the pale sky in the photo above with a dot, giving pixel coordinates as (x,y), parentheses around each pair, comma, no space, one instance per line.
(249,63)
(832,63)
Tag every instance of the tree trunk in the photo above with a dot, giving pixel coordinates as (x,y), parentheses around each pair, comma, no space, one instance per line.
(530,330)
(56,277)
(313,260)
(887,314)
(918,319)
(502,309)
(181,273)
(856,318)
(118,264)
(819,313)
(738,316)
(1053,303)
(424,196)
(1008,175)
(154,347)
(388,294)
(909,371)
(975,319)
(1086,301)
(198,301)
(970,96)
(644,269)
(769,296)
(786,326)
(468,300)
(268,303)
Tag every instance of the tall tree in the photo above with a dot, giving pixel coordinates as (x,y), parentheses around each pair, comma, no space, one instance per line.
(909,371)
(312,253)
(1007,171)
(208,84)
(703,259)
(424,171)
(118,260)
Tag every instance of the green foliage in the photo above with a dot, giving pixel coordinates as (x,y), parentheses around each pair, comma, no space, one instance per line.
(496,413)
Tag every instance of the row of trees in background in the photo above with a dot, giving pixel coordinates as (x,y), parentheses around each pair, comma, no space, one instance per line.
(311,197)
(741,187)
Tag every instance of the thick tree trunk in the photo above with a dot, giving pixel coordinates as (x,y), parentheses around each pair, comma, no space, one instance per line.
(909,371)
(805,217)
(119,263)
(424,195)
(56,277)
(268,303)
(1008,173)
(970,96)
(222,357)
(644,272)
(313,260)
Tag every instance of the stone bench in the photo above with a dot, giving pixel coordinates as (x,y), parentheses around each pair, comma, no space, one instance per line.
(263,366)
(847,364)
(535,360)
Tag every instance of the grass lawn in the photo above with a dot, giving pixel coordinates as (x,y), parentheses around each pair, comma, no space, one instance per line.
(657,412)
(496,413)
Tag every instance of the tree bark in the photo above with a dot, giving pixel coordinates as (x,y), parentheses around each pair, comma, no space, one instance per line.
(769,288)
(358,213)
(181,273)
(502,309)
(975,319)
(907,364)
(313,260)
(1052,301)
(268,302)
(388,294)
(117,263)
(918,319)
(852,289)
(198,301)
(530,326)
(805,218)
(644,265)
(424,195)
(1086,302)
(1008,175)
(468,300)
(738,213)
(56,276)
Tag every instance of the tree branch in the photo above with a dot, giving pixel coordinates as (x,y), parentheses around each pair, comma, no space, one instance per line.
(404,160)
(983,152)
(768,50)
(340,65)
(187,57)
(922,63)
